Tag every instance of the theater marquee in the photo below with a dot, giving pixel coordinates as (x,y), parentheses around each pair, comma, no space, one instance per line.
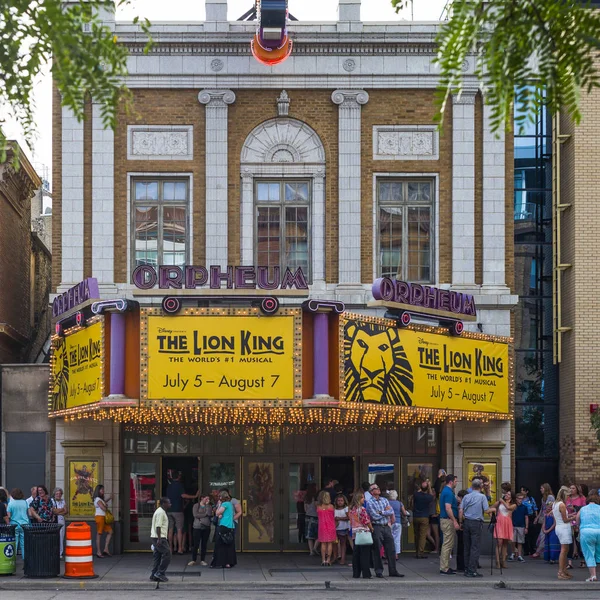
(387,365)
(221,354)
(76,367)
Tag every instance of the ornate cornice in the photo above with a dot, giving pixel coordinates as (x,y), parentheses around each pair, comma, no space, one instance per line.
(210,48)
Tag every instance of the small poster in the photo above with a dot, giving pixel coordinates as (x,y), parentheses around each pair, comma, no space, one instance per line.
(488,473)
(83,478)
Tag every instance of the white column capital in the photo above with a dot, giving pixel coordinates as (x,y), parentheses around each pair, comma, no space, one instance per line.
(464,97)
(350,98)
(216,97)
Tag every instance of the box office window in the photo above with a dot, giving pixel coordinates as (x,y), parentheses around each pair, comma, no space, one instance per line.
(160,221)
(405,228)
(283,224)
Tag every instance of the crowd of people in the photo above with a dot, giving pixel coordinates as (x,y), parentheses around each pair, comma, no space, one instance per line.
(369,522)
(41,507)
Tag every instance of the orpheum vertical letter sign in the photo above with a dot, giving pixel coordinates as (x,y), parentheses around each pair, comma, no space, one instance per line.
(78,294)
(146,277)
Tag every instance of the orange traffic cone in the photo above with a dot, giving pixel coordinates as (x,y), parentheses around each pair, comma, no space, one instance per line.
(79,557)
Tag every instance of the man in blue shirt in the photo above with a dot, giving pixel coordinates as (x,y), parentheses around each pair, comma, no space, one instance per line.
(448,523)
(380,511)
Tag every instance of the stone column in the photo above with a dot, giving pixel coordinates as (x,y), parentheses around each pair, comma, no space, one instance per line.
(463,189)
(72,199)
(216,102)
(349,193)
(494,206)
(321,354)
(103,236)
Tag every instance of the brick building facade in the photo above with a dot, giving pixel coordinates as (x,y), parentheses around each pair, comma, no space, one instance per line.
(25,264)
(201,171)
(575,157)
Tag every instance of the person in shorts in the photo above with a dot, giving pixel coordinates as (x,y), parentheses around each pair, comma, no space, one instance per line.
(176,495)
(342,526)
(100,508)
(520,519)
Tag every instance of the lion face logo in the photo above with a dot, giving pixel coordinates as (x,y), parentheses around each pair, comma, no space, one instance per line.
(60,375)
(376,365)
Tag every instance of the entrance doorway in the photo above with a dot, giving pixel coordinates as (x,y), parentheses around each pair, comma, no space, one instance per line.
(340,468)
(185,468)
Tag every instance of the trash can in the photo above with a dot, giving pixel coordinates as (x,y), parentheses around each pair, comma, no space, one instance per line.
(8,550)
(42,549)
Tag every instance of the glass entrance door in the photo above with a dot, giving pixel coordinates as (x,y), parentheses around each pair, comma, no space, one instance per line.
(302,480)
(218,473)
(261,524)
(143,493)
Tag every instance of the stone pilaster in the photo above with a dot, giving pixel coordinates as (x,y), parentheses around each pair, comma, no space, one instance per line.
(463,189)
(72,199)
(216,102)
(349,226)
(494,210)
(103,227)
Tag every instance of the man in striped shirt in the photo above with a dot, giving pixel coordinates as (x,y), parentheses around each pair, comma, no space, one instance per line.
(380,511)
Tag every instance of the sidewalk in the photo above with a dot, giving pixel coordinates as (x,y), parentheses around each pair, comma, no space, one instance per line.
(268,571)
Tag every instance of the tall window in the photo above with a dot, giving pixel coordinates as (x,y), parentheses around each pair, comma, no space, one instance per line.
(283,224)
(160,221)
(406,226)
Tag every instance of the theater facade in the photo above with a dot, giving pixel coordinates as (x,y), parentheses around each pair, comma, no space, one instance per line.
(268,277)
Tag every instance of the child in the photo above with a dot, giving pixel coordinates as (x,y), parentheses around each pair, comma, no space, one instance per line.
(551,543)
(520,521)
(342,526)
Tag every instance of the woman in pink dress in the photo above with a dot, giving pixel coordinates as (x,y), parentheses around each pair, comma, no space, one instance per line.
(575,500)
(327,533)
(503,530)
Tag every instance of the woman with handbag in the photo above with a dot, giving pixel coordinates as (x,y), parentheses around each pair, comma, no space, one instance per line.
(104,520)
(224,554)
(360,525)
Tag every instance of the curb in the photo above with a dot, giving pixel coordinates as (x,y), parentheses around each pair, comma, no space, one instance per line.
(99,585)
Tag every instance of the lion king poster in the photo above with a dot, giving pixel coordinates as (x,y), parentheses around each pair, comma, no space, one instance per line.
(395,366)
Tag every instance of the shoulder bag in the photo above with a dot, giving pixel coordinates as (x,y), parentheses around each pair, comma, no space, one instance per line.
(108,517)
(225,536)
(363,538)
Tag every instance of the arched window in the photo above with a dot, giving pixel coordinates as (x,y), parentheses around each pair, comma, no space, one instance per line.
(283,197)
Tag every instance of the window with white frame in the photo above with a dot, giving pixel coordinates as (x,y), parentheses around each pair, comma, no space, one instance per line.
(283,224)
(160,223)
(406,229)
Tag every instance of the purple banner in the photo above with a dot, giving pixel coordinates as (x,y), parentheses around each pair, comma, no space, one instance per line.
(78,294)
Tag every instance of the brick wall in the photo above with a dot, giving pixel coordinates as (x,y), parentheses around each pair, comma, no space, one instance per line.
(406,107)
(15,258)
(159,107)
(315,108)
(580,366)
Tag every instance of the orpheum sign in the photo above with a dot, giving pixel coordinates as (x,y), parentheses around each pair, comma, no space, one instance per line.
(78,294)
(146,277)
(423,299)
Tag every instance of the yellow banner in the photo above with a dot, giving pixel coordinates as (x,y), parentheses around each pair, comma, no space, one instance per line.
(387,365)
(221,358)
(83,478)
(77,368)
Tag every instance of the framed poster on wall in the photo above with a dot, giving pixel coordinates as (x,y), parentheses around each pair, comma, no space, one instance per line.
(83,476)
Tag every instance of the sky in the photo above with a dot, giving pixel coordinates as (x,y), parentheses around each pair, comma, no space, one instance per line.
(194,10)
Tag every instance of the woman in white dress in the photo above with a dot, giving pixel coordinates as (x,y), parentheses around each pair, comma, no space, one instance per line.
(563,530)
